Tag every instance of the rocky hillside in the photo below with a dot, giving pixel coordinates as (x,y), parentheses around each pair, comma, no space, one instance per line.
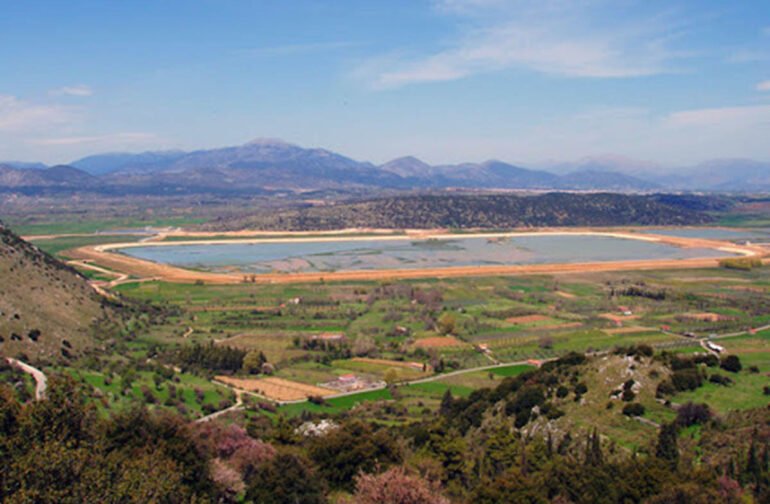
(48,311)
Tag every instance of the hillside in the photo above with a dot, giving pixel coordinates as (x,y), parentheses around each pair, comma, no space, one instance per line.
(47,309)
(482,211)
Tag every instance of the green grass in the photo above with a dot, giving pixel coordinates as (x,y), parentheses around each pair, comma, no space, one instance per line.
(57,245)
(337,404)
(514,370)
(93,226)
(212,394)
(438,389)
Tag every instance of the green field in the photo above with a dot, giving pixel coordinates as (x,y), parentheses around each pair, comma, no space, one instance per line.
(383,320)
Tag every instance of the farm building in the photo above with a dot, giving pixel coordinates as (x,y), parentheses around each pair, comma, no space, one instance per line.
(352,382)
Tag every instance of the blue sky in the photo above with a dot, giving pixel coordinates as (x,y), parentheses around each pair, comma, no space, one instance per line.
(525,81)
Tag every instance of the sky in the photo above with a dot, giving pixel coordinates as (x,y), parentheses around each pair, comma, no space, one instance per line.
(672,82)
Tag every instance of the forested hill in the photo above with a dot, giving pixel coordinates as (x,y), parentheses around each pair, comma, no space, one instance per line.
(486,211)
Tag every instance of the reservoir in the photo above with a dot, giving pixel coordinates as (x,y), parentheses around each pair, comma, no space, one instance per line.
(292,256)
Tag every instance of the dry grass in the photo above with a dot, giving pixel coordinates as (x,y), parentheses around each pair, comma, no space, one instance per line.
(391,363)
(627,330)
(276,388)
(439,342)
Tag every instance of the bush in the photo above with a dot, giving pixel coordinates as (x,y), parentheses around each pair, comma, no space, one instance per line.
(628,395)
(686,379)
(691,414)
(766,390)
(562,392)
(731,363)
(709,360)
(741,263)
(720,380)
(316,399)
(633,410)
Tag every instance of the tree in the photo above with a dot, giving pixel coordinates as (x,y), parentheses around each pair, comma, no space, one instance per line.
(363,345)
(667,448)
(731,363)
(391,376)
(633,409)
(594,455)
(342,453)
(446,403)
(395,486)
(287,478)
(447,323)
(253,361)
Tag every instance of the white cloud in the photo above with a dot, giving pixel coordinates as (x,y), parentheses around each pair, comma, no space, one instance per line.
(764,86)
(742,56)
(297,49)
(19,116)
(723,118)
(127,138)
(680,138)
(556,37)
(79,90)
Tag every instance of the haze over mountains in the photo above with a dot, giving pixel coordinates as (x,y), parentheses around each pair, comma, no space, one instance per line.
(271,165)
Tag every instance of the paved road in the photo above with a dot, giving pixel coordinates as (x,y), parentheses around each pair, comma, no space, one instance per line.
(41,381)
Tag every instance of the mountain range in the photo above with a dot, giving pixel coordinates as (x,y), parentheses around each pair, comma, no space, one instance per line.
(265,165)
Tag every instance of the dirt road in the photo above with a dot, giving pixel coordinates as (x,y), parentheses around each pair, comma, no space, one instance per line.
(41,381)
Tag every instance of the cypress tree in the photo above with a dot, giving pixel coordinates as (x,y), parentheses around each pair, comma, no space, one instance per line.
(667,448)
(446,403)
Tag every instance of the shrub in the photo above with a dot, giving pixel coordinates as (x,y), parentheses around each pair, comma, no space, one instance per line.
(720,379)
(709,360)
(664,388)
(316,399)
(395,486)
(686,379)
(628,395)
(741,263)
(731,363)
(633,410)
(562,392)
(691,414)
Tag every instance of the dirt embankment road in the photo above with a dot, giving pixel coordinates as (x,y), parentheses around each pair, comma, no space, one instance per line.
(102,254)
(41,380)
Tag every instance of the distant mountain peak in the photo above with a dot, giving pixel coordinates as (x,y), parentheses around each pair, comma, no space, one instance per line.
(268,142)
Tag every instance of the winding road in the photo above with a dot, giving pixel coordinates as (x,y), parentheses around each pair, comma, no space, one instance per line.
(41,380)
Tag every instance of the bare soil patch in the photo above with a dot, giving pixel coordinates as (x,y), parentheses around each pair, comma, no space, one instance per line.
(276,388)
(527,319)
(417,366)
(618,318)
(439,342)
(706,316)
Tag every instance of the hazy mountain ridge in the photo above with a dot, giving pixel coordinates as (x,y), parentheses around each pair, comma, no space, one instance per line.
(269,164)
